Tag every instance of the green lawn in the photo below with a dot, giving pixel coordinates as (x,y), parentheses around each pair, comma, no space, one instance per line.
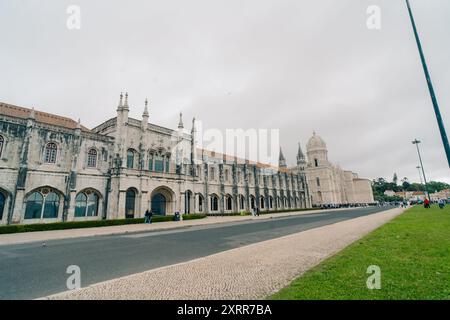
(412,251)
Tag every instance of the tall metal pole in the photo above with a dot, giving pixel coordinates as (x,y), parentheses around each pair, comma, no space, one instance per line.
(416,142)
(430,88)
(420,175)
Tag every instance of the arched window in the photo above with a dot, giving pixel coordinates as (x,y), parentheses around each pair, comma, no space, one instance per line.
(130,159)
(229,203)
(252,202)
(2,142)
(130,203)
(241,202)
(92,158)
(150,161)
(227,172)
(214,203)
(212,173)
(270,202)
(261,203)
(86,204)
(2,204)
(50,152)
(43,204)
(159,163)
(80,205)
(167,167)
(200,203)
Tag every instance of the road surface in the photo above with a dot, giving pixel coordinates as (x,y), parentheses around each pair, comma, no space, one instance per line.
(35,270)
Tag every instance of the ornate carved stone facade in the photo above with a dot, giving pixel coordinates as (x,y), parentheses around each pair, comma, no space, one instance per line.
(54,169)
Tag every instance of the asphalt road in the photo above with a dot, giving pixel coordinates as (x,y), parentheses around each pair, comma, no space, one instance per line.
(29,271)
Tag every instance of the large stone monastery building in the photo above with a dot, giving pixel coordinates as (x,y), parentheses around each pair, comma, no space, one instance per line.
(54,169)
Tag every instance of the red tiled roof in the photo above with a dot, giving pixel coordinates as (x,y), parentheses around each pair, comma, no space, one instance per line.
(42,117)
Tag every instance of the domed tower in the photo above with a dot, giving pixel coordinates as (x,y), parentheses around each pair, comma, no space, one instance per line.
(317,152)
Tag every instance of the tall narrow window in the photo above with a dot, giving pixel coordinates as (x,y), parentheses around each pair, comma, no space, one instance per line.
(50,152)
(92,158)
(130,159)
(80,205)
(150,162)
(214,203)
(2,205)
(200,203)
(241,202)
(226,175)
(318,182)
(229,202)
(167,164)
(316,162)
(1,145)
(212,173)
(159,164)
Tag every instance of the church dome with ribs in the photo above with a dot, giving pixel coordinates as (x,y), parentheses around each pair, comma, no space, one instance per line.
(316,143)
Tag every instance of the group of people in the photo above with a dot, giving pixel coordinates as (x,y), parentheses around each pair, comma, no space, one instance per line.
(255,212)
(148,216)
(427,204)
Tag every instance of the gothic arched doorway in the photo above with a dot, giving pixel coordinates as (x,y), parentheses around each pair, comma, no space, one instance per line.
(159,204)
(162,201)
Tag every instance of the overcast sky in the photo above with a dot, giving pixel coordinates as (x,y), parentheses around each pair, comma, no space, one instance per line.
(297,65)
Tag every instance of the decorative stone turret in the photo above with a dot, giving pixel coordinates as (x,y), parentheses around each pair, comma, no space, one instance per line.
(145,116)
(282,160)
(301,159)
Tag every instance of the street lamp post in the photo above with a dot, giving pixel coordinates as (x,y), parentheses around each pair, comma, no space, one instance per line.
(416,142)
(430,88)
(420,175)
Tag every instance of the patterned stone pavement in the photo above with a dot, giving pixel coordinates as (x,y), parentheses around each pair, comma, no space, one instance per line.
(250,272)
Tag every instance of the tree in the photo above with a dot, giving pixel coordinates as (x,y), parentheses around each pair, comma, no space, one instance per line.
(435,186)
(405,184)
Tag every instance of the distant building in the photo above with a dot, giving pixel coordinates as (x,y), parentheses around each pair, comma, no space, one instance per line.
(389,193)
(54,169)
(329,184)
(444,195)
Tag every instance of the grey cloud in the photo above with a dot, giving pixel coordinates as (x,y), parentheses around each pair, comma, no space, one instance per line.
(294,65)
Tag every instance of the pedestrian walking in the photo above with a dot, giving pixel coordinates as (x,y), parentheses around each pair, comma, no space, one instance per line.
(147,216)
(257,212)
(426,204)
(441,203)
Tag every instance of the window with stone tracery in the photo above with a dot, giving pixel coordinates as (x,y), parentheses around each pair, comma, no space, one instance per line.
(50,152)
(92,158)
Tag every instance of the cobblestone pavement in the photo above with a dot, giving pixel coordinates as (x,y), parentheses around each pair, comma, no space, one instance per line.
(250,272)
(16,238)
